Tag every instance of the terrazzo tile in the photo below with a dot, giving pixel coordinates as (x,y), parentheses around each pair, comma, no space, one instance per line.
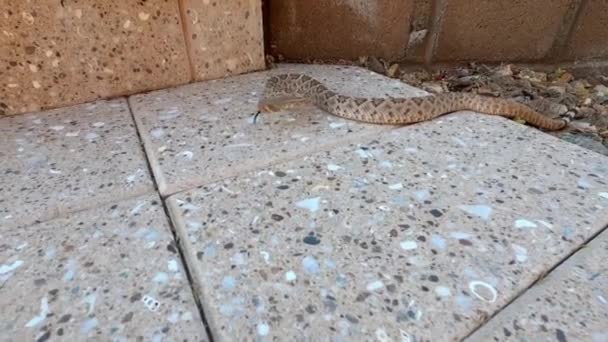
(224,37)
(68,159)
(570,304)
(203,132)
(108,274)
(420,232)
(59,52)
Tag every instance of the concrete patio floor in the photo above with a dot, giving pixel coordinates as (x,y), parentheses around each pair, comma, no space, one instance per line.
(172,216)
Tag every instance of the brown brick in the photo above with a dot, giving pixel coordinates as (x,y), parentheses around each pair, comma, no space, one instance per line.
(225,37)
(590,35)
(301,29)
(55,53)
(499,30)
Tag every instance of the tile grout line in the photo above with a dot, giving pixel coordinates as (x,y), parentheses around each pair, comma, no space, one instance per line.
(541,277)
(158,179)
(182,257)
(191,281)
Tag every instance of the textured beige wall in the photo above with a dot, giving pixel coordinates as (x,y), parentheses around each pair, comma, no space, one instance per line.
(225,37)
(60,52)
(54,55)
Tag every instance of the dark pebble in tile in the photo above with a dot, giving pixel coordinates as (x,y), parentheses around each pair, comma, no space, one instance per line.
(436,212)
(311,240)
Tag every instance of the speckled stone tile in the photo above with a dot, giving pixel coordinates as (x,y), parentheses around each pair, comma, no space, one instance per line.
(203,132)
(421,232)
(56,53)
(108,274)
(68,159)
(224,37)
(570,304)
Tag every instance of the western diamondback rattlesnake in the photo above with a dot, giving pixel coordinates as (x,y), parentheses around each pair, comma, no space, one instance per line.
(287,91)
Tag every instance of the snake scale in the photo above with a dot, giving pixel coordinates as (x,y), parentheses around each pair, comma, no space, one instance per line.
(287,91)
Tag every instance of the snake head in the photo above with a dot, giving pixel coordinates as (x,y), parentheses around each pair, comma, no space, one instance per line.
(281,103)
(268,107)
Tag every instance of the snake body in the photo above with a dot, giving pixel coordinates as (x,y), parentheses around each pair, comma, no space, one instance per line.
(289,90)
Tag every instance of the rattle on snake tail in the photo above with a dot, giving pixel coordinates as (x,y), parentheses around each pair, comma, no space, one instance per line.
(288,91)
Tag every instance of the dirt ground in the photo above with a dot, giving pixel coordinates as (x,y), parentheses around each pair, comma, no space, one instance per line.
(584,100)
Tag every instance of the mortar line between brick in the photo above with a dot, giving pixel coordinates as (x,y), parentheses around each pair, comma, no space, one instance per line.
(266,31)
(564,35)
(187,35)
(575,21)
(538,280)
(182,257)
(438,9)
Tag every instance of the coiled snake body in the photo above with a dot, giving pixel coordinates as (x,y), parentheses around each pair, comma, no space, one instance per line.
(287,91)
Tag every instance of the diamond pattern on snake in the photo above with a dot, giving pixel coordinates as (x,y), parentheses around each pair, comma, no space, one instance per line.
(288,91)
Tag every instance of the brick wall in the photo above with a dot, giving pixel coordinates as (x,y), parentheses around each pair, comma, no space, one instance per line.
(59,52)
(439,30)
